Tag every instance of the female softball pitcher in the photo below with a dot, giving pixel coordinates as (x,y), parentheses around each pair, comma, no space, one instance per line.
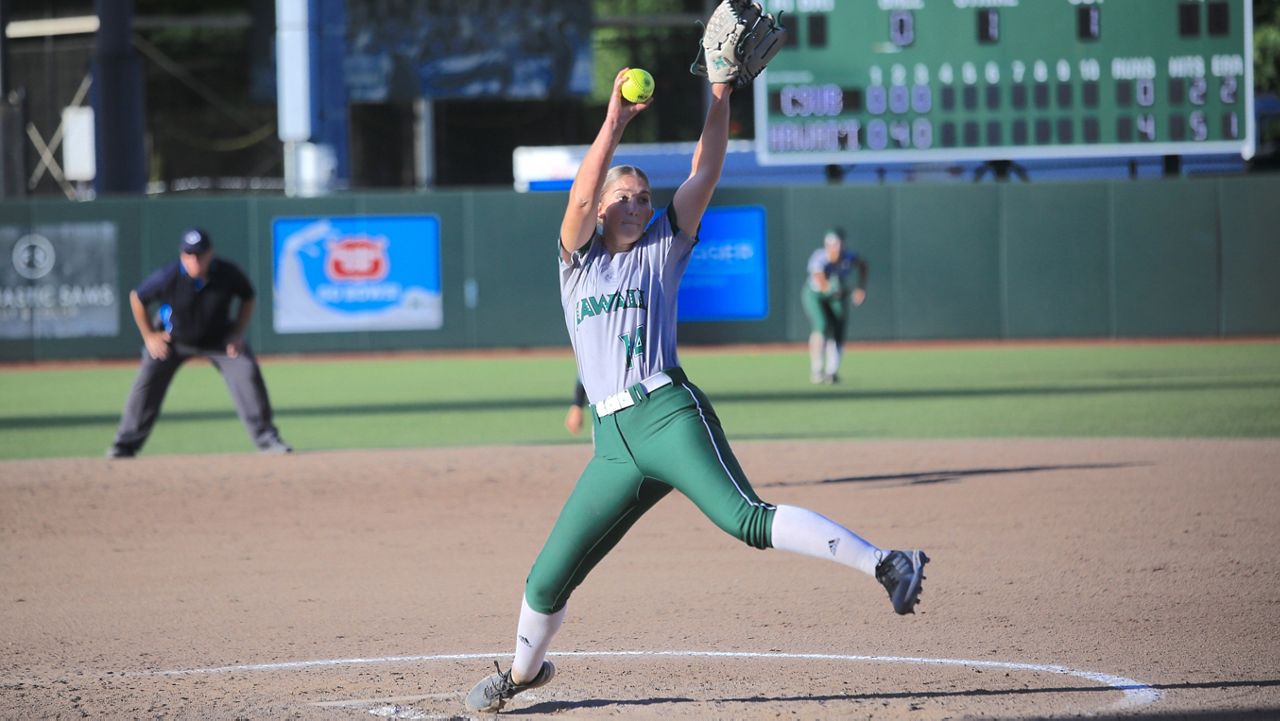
(654,429)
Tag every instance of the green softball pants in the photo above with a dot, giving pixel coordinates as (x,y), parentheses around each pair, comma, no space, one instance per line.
(669,439)
(827,316)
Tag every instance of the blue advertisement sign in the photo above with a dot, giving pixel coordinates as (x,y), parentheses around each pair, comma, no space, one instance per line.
(727,277)
(357,273)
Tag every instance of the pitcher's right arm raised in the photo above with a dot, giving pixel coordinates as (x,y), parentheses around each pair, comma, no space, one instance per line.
(584,196)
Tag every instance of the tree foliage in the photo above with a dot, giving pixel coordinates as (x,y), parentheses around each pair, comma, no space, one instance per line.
(1266,46)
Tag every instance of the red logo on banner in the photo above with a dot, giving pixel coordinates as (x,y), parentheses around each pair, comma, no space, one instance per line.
(357,258)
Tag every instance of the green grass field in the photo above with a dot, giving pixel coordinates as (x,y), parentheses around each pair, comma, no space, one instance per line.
(1217,389)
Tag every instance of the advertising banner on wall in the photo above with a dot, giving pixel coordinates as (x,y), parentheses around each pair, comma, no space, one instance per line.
(58,280)
(727,277)
(357,273)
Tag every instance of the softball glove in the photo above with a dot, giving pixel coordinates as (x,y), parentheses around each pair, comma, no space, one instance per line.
(739,40)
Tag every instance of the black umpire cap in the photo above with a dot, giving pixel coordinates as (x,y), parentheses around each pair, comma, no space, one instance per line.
(196,241)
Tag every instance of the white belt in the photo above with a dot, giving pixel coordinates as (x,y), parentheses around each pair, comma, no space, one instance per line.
(627,398)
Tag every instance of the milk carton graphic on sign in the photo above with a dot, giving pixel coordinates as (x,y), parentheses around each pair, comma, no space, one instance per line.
(357,274)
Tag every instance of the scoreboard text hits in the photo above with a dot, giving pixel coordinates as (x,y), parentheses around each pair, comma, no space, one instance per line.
(937,80)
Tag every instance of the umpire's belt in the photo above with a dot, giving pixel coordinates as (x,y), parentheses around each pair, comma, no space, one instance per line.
(633,394)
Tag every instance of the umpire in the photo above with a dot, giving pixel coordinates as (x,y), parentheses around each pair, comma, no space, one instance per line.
(194,295)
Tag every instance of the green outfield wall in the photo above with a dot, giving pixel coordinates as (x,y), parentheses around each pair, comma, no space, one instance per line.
(1157,258)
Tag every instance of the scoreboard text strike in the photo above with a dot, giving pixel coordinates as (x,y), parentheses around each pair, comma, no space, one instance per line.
(940,80)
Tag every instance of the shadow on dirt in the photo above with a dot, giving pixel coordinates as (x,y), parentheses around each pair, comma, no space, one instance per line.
(1257,714)
(949,476)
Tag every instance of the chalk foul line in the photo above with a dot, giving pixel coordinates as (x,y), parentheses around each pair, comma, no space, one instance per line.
(1135,693)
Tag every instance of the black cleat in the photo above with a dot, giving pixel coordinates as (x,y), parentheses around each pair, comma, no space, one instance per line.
(900,572)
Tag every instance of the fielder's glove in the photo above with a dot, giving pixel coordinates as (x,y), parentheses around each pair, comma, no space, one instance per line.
(834,289)
(739,40)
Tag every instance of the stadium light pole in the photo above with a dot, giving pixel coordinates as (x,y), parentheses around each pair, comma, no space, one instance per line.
(311,94)
(12,163)
(4,50)
(118,102)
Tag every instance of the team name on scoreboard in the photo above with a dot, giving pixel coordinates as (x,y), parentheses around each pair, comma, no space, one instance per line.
(1073,76)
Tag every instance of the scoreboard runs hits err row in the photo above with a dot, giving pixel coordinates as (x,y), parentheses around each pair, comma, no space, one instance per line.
(939,80)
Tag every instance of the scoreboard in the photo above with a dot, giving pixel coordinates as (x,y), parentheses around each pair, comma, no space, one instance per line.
(945,80)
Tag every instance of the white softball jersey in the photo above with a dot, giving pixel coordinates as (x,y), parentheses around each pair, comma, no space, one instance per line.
(839,270)
(621,309)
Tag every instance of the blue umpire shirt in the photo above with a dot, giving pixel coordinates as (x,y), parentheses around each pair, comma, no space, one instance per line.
(196,313)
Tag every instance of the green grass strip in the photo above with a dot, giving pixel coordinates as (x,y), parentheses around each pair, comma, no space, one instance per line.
(1216,389)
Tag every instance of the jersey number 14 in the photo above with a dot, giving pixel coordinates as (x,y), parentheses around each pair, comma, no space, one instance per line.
(634,343)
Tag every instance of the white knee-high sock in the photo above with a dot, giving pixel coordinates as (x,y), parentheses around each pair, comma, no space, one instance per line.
(815,353)
(833,357)
(802,531)
(533,638)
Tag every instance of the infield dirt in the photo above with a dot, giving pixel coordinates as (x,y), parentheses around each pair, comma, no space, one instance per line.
(1150,560)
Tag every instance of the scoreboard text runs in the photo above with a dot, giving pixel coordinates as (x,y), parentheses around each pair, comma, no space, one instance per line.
(921,80)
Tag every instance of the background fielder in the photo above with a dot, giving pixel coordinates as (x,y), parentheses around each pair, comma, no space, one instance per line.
(574,417)
(826,298)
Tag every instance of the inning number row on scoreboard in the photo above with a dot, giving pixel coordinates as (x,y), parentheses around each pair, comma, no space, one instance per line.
(917,80)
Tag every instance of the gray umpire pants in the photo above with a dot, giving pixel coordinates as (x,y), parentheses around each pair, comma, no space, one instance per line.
(243,378)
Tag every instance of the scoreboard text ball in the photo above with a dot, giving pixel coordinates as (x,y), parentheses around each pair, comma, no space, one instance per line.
(941,80)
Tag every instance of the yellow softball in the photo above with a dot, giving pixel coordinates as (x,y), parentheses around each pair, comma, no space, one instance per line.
(637,86)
